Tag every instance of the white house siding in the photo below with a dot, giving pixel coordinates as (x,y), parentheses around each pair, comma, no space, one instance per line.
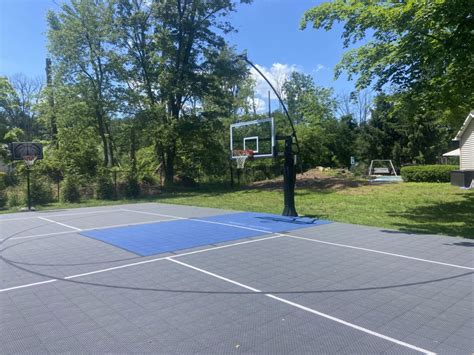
(467,148)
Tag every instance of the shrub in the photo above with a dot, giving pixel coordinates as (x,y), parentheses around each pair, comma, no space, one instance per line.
(105,188)
(15,197)
(360,169)
(3,178)
(70,190)
(41,191)
(427,173)
(3,195)
(132,189)
(259,176)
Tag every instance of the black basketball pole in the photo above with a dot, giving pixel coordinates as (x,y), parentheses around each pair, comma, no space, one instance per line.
(289,176)
(28,187)
(289,180)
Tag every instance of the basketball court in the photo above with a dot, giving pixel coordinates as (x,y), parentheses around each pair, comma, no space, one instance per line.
(175,279)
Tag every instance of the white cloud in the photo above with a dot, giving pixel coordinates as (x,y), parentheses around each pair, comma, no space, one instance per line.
(277,74)
(260,104)
(319,67)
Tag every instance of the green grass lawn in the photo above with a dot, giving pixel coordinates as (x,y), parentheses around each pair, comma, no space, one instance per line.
(410,207)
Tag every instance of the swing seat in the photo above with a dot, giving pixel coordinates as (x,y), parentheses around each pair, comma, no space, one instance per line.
(381,171)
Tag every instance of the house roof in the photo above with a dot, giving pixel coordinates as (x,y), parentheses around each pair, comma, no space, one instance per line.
(464,126)
(453,153)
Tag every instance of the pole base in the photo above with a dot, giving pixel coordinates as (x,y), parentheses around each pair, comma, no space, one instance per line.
(26,209)
(289,212)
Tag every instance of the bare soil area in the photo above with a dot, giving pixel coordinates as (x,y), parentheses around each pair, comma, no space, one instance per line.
(315,179)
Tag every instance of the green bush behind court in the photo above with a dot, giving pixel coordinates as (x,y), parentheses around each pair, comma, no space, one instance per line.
(427,173)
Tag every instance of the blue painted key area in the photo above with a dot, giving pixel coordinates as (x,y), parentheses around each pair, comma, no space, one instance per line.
(170,236)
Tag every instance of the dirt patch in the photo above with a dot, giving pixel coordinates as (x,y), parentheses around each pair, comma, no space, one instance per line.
(314,179)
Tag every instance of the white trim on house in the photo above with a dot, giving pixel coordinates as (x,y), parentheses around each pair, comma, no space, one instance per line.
(465,137)
(464,126)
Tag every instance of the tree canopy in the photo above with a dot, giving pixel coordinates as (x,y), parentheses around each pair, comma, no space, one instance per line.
(420,49)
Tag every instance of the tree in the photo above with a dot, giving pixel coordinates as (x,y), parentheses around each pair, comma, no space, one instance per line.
(308,103)
(403,133)
(19,96)
(189,34)
(177,61)
(79,36)
(9,107)
(420,48)
(356,104)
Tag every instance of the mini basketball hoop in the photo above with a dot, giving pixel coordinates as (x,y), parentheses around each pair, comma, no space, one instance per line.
(241,156)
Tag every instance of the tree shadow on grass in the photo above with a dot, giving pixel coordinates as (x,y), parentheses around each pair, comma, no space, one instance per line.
(450,218)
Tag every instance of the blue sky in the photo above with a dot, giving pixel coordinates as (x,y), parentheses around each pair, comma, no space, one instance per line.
(268,30)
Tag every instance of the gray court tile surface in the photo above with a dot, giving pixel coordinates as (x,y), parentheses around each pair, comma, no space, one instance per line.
(317,297)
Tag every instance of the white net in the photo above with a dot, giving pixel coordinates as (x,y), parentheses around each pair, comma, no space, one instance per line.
(241,157)
(29,160)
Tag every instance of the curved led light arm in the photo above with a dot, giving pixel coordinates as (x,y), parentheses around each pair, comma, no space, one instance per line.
(244,57)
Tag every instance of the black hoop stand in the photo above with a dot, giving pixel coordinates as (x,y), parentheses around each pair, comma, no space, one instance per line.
(289,171)
(28,187)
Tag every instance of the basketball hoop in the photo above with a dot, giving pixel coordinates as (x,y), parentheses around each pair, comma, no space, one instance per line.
(29,160)
(241,156)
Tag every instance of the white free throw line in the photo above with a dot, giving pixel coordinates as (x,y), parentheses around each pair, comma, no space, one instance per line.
(313,240)
(304,308)
(138,263)
(381,252)
(209,222)
(59,223)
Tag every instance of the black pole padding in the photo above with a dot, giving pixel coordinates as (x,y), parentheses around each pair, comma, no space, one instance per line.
(289,179)
(28,187)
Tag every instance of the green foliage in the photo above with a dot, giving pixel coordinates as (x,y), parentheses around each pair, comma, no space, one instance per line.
(105,187)
(427,173)
(308,103)
(70,190)
(79,35)
(132,188)
(15,134)
(3,186)
(420,48)
(41,191)
(16,197)
(397,131)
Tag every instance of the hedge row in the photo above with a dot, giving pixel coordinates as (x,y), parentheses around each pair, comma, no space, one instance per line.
(427,173)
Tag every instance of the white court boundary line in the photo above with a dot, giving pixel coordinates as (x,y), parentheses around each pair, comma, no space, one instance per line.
(380,252)
(60,224)
(304,308)
(254,229)
(228,245)
(318,241)
(138,263)
(88,229)
(60,215)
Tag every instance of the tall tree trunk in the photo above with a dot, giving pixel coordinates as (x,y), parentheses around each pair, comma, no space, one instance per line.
(133,149)
(103,137)
(53,123)
(169,165)
(110,144)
